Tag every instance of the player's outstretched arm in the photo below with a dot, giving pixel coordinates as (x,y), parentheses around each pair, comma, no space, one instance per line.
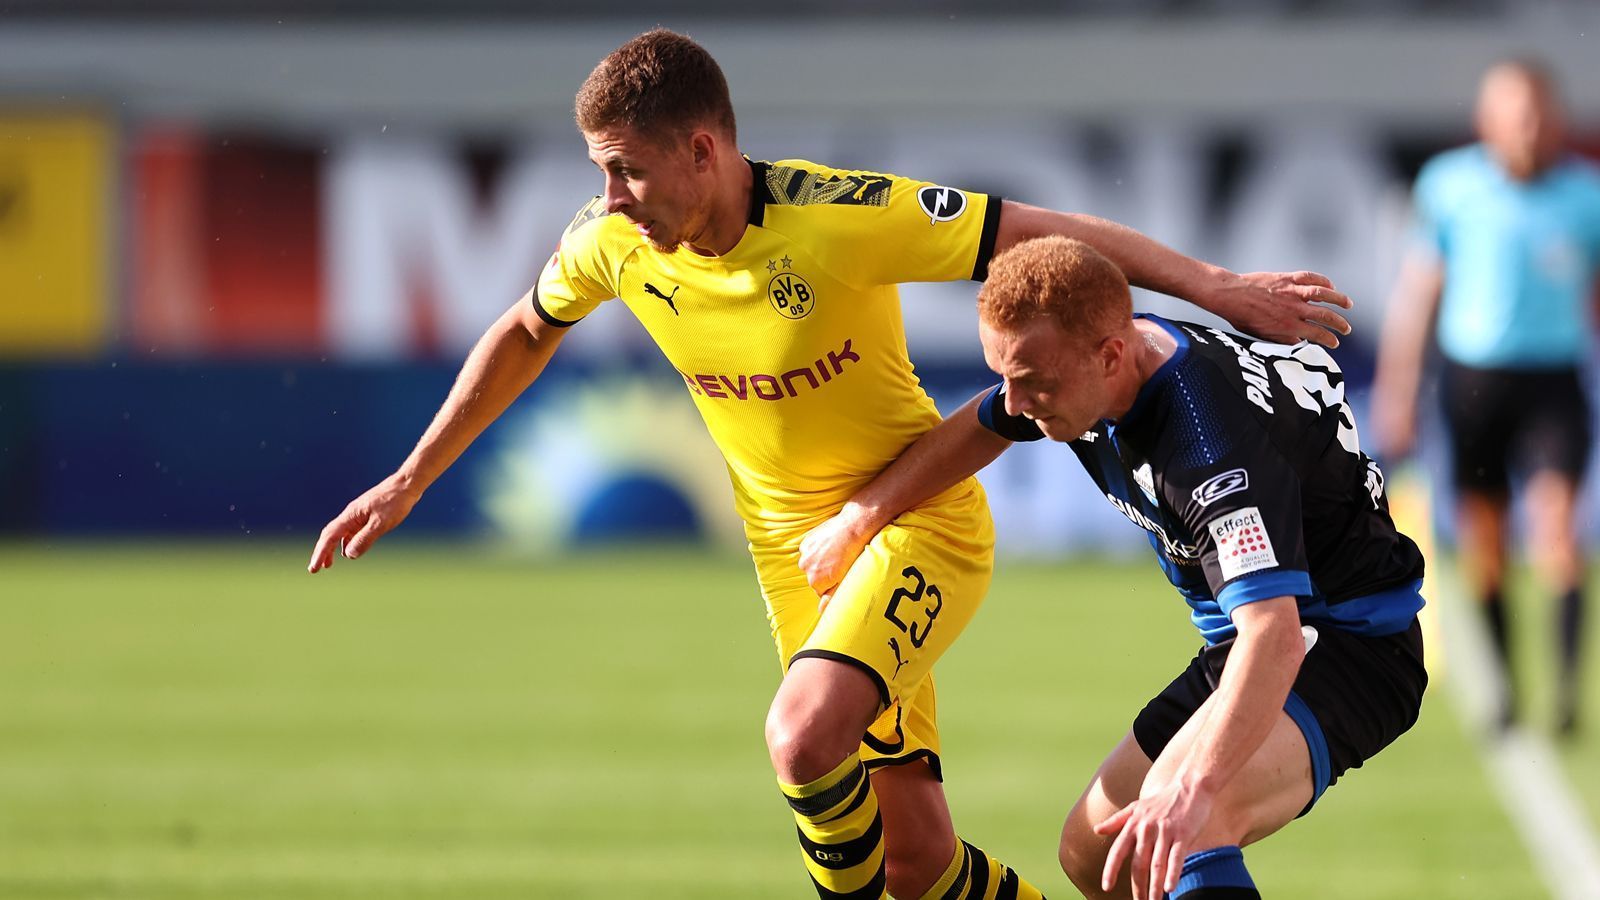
(1279,306)
(502,365)
(1156,832)
(1404,344)
(949,452)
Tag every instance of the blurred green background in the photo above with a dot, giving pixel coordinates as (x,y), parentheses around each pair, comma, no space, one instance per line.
(205,720)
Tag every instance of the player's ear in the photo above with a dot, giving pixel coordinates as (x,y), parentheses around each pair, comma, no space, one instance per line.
(1112,354)
(702,150)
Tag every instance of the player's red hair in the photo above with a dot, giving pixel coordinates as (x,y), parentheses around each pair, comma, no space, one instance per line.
(1059,278)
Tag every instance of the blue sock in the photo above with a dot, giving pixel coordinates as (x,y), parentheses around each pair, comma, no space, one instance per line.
(1215,874)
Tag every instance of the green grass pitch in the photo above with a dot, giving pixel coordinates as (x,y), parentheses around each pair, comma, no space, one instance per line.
(206,720)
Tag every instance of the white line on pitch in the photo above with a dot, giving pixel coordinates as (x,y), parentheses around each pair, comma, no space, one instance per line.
(1524,765)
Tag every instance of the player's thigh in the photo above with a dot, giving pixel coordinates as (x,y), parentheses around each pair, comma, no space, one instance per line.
(1115,784)
(903,603)
(1272,788)
(906,728)
(1281,782)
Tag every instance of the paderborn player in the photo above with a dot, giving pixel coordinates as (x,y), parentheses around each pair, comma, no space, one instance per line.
(1240,460)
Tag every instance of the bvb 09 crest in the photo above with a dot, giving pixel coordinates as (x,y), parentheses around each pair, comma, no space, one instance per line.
(791,295)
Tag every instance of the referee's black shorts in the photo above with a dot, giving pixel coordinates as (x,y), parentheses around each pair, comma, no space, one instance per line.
(1353,696)
(1533,420)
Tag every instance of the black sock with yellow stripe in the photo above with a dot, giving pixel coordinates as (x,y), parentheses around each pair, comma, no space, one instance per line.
(841,832)
(975,875)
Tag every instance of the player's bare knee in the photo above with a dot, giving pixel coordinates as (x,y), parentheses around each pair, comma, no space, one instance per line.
(1082,853)
(1085,876)
(1082,864)
(801,751)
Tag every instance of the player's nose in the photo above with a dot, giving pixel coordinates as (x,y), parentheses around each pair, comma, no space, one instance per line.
(1015,406)
(617,196)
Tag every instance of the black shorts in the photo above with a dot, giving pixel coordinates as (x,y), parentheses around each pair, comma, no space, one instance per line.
(1534,419)
(1354,695)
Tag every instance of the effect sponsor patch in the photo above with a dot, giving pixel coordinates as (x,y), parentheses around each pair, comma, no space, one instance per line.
(941,204)
(1218,486)
(1242,543)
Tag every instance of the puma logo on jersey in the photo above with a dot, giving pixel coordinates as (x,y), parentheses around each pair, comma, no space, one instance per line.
(654,292)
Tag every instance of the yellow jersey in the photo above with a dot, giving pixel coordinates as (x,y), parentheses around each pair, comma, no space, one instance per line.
(791,343)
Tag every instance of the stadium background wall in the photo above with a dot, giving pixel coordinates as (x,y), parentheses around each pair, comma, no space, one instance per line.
(290,240)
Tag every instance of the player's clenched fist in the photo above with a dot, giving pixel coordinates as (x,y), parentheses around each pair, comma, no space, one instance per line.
(367,518)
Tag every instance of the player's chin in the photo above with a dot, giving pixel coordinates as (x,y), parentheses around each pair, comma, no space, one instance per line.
(663,246)
(1057,430)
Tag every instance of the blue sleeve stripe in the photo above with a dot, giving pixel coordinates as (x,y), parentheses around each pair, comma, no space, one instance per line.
(1264,586)
(1316,741)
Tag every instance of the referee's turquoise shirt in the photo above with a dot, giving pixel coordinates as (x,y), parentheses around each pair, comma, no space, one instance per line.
(1519,258)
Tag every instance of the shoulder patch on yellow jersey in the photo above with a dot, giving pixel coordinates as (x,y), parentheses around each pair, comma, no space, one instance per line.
(592,210)
(794,186)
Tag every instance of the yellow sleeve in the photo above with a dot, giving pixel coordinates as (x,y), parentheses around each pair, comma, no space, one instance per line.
(580,275)
(890,229)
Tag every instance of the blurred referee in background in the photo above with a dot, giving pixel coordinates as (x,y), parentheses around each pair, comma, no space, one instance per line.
(1505,258)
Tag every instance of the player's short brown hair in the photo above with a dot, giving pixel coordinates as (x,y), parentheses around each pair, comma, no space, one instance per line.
(660,80)
(1058,278)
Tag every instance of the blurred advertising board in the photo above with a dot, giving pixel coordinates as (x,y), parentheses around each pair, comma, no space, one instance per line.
(56,249)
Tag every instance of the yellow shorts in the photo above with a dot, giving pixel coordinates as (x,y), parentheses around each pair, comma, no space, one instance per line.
(902,604)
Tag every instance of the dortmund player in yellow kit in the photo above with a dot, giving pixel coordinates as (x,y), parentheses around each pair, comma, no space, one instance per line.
(771,288)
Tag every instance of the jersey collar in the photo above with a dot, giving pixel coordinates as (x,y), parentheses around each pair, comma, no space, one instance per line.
(1158,379)
(760,194)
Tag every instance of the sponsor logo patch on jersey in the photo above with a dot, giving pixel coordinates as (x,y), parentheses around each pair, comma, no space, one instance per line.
(1146,481)
(941,204)
(1242,543)
(1218,486)
(1180,553)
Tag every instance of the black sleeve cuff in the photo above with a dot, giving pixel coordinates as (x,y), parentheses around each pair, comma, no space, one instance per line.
(543,314)
(991,230)
(993,416)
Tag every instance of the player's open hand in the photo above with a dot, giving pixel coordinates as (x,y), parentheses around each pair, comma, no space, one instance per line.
(367,518)
(1154,834)
(1284,306)
(829,550)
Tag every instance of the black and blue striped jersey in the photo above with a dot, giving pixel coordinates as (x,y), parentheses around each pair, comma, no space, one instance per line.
(1240,459)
